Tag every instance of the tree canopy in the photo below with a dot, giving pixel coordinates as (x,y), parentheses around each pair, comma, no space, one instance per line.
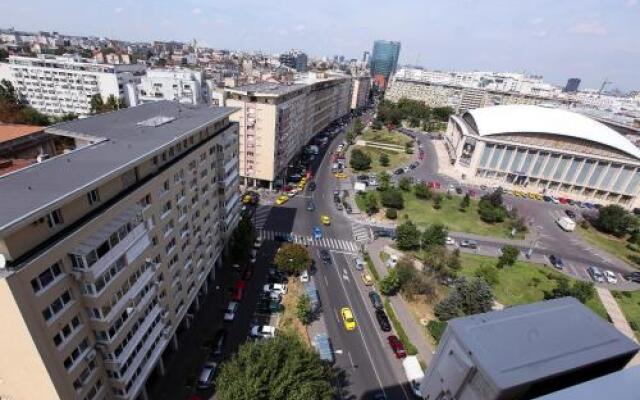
(613,219)
(281,368)
(466,298)
(13,110)
(407,236)
(434,235)
(359,160)
(242,240)
(292,258)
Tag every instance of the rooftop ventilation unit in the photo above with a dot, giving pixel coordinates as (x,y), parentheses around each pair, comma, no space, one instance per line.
(156,121)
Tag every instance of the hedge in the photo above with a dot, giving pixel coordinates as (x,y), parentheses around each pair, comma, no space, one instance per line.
(408,346)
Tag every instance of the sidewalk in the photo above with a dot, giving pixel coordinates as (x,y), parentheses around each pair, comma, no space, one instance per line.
(618,319)
(416,332)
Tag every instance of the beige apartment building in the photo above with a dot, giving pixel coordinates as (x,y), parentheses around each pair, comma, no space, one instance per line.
(360,92)
(276,120)
(108,249)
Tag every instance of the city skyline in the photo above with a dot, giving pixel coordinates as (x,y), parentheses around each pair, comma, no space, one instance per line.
(583,39)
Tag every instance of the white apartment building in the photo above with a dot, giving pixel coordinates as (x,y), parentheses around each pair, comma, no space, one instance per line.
(110,248)
(182,85)
(276,120)
(360,92)
(56,85)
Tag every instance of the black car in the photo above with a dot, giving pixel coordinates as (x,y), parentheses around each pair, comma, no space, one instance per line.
(383,321)
(218,342)
(471,244)
(414,165)
(633,277)
(383,232)
(311,186)
(325,256)
(556,261)
(363,178)
(399,171)
(459,190)
(348,208)
(376,300)
(570,214)
(283,237)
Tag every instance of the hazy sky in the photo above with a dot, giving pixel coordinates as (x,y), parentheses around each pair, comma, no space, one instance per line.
(590,39)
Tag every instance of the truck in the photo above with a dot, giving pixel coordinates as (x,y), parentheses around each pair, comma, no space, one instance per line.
(360,187)
(414,373)
(566,223)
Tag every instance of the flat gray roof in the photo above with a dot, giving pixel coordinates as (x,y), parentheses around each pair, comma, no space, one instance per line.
(535,341)
(120,140)
(621,385)
(267,88)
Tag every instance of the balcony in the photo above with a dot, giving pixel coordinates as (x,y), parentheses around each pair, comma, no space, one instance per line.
(128,299)
(226,182)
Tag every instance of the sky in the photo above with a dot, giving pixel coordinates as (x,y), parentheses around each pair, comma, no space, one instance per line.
(559,39)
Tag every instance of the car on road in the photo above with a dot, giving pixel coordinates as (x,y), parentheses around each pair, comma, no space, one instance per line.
(610,277)
(367,279)
(570,213)
(556,261)
(325,219)
(384,232)
(449,241)
(414,165)
(398,171)
(340,175)
(347,319)
(358,263)
(257,243)
(633,276)
(383,321)
(283,237)
(596,274)
(311,186)
(339,206)
(219,341)
(348,208)
(372,182)
(310,206)
(263,331)
(379,395)
(254,254)
(397,347)
(459,190)
(230,312)
(316,233)
(238,290)
(363,178)
(376,300)
(470,244)
(325,256)
(282,199)
(304,276)
(280,288)
(207,374)
(268,306)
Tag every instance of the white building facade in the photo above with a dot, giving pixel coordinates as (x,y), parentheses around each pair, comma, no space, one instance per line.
(182,85)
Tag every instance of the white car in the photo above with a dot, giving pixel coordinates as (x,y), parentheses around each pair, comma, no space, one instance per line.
(279,288)
(257,243)
(449,241)
(393,260)
(611,277)
(304,277)
(263,331)
(207,374)
(230,312)
(254,254)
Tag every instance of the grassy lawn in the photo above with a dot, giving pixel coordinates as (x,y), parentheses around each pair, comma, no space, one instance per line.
(524,282)
(629,302)
(384,136)
(395,159)
(616,247)
(289,323)
(422,213)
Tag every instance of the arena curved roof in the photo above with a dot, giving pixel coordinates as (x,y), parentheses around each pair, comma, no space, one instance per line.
(505,119)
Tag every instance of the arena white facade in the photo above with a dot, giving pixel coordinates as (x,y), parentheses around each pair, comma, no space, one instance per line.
(547,151)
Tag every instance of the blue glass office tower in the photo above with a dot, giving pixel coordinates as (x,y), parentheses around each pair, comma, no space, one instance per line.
(384,58)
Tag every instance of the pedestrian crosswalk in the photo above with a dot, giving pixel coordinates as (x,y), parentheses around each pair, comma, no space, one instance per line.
(326,242)
(261,215)
(360,232)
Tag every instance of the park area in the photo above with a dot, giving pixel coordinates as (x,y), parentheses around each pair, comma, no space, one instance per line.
(384,136)
(617,247)
(396,159)
(629,302)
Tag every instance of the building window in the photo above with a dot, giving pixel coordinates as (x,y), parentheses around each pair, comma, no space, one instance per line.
(75,354)
(54,218)
(93,196)
(66,331)
(46,277)
(57,305)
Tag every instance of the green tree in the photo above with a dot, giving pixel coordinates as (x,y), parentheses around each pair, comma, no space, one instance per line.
(376,124)
(390,284)
(466,298)
(349,136)
(391,213)
(405,183)
(359,160)
(488,273)
(384,159)
(96,103)
(371,201)
(292,258)
(491,208)
(407,236)
(281,368)
(613,219)
(434,235)
(422,191)
(465,202)
(8,93)
(303,309)
(582,291)
(357,127)
(392,198)
(508,256)
(384,181)
(437,201)
(242,240)
(442,113)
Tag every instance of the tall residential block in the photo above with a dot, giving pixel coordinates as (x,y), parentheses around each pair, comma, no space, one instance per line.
(572,85)
(277,120)
(384,59)
(182,85)
(57,85)
(360,92)
(109,248)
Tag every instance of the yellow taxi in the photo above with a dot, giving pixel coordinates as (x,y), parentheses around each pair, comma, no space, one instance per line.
(367,279)
(539,197)
(341,175)
(347,319)
(531,196)
(282,199)
(325,219)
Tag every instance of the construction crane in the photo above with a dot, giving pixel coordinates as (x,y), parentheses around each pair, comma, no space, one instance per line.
(604,84)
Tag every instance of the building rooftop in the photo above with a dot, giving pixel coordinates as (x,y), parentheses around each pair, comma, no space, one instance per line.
(507,119)
(532,342)
(119,139)
(622,385)
(267,88)
(10,132)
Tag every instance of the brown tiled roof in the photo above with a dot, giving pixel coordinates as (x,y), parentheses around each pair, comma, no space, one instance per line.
(14,131)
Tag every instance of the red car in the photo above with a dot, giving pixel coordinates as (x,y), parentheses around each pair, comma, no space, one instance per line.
(238,290)
(397,347)
(247,274)
(434,185)
(563,200)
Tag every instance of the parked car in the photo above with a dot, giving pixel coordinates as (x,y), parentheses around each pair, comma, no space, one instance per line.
(633,276)
(610,277)
(449,241)
(263,331)
(384,232)
(230,312)
(311,186)
(325,256)
(280,288)
(238,290)
(397,346)
(267,306)
(393,261)
(376,300)
(219,341)
(367,279)
(359,263)
(304,276)
(383,321)
(414,165)
(570,213)
(283,237)
(556,261)
(470,244)
(596,274)
(207,374)
(363,178)
(398,171)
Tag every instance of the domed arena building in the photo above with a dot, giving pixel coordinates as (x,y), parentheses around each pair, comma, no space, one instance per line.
(545,151)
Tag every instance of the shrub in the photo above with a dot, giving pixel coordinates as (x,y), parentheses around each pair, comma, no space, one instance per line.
(437,201)
(405,184)
(422,191)
(384,160)
(391,213)
(359,160)
(613,219)
(402,335)
(407,236)
(392,198)
(436,329)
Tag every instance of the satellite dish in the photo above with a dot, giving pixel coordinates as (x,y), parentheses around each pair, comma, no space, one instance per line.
(3,261)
